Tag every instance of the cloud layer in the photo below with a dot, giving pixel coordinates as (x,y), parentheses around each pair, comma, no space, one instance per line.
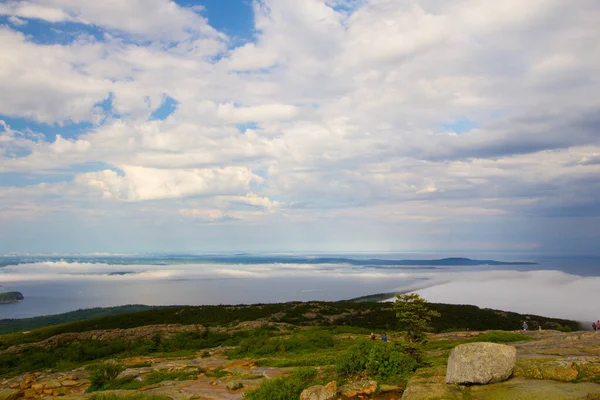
(382,124)
(548,293)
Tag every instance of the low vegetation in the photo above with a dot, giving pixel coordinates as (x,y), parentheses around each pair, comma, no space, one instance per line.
(287,387)
(323,341)
(366,315)
(104,377)
(385,362)
(64,356)
(26,324)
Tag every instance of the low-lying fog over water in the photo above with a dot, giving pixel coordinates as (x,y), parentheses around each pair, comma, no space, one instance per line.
(558,287)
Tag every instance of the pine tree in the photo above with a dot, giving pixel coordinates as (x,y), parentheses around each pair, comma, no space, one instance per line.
(414,316)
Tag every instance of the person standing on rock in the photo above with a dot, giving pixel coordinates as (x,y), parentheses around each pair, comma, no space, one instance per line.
(525,327)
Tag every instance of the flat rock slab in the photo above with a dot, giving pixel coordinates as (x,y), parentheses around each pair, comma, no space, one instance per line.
(518,389)
(10,394)
(480,363)
(429,384)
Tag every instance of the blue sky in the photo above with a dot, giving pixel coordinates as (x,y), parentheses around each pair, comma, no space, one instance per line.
(269,125)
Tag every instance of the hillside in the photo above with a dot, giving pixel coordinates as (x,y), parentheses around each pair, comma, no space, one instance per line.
(368,315)
(232,353)
(26,324)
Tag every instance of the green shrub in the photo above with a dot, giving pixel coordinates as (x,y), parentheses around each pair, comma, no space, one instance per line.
(382,361)
(389,363)
(285,388)
(102,374)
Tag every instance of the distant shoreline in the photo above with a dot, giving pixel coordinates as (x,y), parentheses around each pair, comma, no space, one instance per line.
(255,259)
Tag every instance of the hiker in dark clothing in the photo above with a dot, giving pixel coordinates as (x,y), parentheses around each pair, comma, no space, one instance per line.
(384,337)
(594,326)
(372,336)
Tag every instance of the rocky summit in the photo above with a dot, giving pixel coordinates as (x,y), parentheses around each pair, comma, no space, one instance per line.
(551,366)
(236,362)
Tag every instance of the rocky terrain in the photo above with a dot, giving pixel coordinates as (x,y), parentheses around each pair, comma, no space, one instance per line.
(553,365)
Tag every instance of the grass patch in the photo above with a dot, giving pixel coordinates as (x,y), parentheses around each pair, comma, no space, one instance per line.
(299,341)
(302,348)
(102,375)
(307,359)
(500,337)
(287,387)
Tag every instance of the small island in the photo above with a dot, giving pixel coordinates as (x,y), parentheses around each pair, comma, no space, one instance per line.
(11,297)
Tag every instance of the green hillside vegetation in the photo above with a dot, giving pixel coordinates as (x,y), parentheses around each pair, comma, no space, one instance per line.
(370,316)
(26,324)
(311,343)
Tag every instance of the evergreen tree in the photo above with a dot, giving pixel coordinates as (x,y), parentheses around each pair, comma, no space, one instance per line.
(414,316)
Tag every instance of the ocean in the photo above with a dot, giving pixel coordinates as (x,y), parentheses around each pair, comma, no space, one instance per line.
(561,287)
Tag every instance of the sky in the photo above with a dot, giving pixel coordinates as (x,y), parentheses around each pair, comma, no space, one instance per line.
(314,125)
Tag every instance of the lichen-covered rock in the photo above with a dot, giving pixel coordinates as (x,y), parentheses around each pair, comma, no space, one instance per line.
(10,394)
(519,389)
(319,392)
(480,363)
(69,383)
(563,371)
(569,369)
(235,385)
(358,388)
(52,384)
(38,387)
(133,373)
(430,384)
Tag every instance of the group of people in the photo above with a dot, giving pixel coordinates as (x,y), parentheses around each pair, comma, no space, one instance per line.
(383,337)
(596,326)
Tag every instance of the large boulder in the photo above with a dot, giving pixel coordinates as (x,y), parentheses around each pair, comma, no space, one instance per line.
(327,392)
(480,363)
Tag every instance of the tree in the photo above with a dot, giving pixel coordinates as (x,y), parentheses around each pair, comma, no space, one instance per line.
(414,316)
